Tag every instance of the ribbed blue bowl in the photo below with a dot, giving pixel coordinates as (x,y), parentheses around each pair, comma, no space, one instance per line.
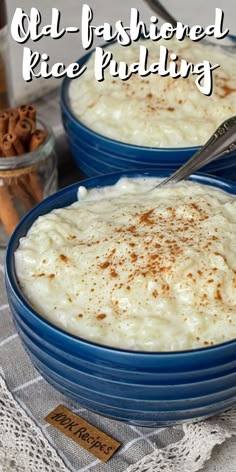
(95,154)
(158,388)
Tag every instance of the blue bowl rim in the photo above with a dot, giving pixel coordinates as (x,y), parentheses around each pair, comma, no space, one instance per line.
(10,275)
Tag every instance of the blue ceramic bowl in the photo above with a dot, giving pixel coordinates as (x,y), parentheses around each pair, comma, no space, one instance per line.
(95,154)
(157,388)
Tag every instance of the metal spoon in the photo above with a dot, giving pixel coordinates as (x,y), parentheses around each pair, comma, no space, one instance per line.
(159,10)
(157,7)
(221,143)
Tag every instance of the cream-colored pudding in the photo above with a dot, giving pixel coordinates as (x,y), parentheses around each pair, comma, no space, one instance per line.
(156,111)
(124,267)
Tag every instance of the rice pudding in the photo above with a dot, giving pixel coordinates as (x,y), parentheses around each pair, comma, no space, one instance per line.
(156,111)
(139,270)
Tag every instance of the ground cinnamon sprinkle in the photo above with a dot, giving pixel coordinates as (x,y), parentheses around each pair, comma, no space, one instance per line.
(160,254)
(145,217)
(63,258)
(104,265)
(218,295)
(133,257)
(101,316)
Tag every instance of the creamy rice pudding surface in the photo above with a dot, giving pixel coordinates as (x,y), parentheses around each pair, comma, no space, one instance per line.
(139,270)
(156,111)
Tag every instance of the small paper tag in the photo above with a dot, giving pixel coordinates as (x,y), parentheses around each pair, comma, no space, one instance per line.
(83,433)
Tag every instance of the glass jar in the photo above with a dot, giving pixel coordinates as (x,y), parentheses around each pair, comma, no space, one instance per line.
(4,95)
(25,180)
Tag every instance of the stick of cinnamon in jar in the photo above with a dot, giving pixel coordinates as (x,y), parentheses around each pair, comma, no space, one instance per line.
(8,213)
(31,112)
(27,111)
(4,118)
(8,148)
(18,135)
(30,183)
(17,146)
(23,130)
(12,146)
(31,123)
(36,140)
(13,118)
(20,189)
(23,111)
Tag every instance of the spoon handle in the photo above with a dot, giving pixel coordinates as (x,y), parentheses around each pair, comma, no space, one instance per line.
(221,143)
(159,10)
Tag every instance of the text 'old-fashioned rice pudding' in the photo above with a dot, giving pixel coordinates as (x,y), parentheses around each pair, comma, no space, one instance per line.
(154,110)
(136,269)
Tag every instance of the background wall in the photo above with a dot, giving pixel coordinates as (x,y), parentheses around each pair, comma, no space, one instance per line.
(68,48)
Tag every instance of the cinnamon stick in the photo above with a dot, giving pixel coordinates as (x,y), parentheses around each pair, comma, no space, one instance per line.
(36,187)
(8,149)
(13,118)
(31,190)
(31,123)
(37,139)
(16,143)
(23,111)
(23,130)
(31,112)
(8,213)
(4,118)
(20,190)
(22,187)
